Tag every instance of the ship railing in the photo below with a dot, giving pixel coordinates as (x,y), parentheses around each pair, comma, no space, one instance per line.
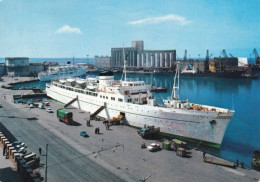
(131,79)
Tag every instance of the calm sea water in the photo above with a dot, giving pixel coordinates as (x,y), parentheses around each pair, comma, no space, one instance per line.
(243,133)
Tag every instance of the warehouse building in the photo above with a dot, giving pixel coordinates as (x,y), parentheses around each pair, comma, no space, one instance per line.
(20,66)
(137,58)
(102,62)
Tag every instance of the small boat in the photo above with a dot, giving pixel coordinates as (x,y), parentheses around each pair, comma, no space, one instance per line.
(256,160)
(189,69)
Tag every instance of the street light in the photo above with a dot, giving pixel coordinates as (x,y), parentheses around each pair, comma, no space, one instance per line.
(87,58)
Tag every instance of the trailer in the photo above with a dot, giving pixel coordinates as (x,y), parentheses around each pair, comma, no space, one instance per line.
(65,116)
(149,132)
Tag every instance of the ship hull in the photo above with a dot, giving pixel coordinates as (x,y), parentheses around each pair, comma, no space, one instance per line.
(188,124)
(51,77)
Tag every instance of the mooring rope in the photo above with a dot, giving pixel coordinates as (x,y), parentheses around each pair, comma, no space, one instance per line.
(242,136)
(257,129)
(202,139)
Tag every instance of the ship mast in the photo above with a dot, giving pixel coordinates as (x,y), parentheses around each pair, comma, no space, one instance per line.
(124,59)
(176,83)
(124,62)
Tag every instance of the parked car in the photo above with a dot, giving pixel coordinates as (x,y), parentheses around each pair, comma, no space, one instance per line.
(31,106)
(153,147)
(21,150)
(18,143)
(46,103)
(84,134)
(49,110)
(41,106)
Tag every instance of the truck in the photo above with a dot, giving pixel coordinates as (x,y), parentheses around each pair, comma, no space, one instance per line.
(65,116)
(149,132)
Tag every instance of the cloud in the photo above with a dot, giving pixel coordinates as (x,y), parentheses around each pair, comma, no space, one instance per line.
(154,20)
(68,29)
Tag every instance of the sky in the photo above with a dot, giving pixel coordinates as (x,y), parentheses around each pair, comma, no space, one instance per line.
(67,28)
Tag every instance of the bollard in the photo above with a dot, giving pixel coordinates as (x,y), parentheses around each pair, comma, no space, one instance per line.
(237,163)
(242,164)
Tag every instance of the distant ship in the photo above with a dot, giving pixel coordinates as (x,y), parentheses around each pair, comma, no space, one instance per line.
(66,71)
(134,101)
(191,71)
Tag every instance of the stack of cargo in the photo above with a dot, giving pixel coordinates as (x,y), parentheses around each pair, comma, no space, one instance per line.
(166,145)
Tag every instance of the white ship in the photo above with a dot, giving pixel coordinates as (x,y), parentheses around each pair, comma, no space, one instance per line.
(189,69)
(65,71)
(133,99)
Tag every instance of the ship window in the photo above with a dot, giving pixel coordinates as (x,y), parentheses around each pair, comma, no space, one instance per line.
(120,100)
(113,98)
(100,96)
(106,97)
(129,100)
(103,96)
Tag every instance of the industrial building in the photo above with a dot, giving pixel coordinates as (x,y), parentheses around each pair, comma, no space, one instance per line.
(20,66)
(102,62)
(137,58)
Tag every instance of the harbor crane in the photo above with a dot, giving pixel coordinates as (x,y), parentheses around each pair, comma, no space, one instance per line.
(231,55)
(257,58)
(185,55)
(208,56)
(224,53)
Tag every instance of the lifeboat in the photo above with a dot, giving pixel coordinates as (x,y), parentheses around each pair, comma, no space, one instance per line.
(81,81)
(62,81)
(71,81)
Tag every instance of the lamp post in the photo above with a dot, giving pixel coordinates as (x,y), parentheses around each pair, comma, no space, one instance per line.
(87,58)
(46,165)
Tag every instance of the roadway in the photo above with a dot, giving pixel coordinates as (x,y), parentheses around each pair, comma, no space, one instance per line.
(65,162)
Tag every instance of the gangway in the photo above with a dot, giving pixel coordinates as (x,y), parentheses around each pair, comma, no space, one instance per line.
(98,111)
(70,102)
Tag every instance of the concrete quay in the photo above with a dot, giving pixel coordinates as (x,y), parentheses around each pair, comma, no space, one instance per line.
(113,155)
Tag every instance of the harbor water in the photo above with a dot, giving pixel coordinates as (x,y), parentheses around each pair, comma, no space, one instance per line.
(242,136)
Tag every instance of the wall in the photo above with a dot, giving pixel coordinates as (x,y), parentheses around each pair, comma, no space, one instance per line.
(2,70)
(34,69)
(102,62)
(16,61)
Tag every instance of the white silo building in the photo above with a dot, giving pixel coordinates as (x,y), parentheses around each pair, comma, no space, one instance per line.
(162,60)
(138,58)
(157,60)
(148,60)
(167,60)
